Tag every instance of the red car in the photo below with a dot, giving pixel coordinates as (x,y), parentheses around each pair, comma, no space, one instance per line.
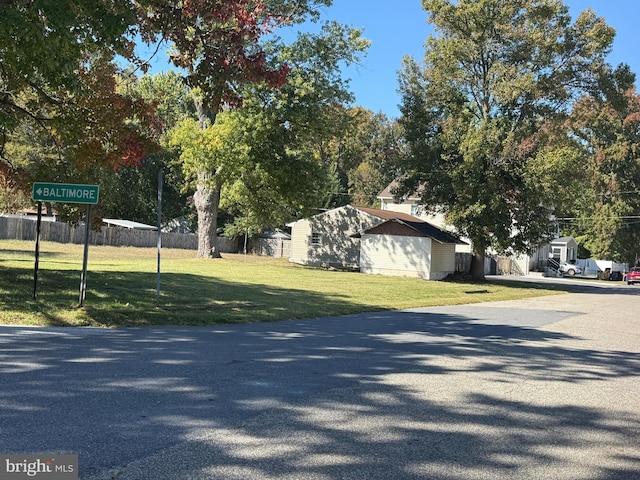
(633,276)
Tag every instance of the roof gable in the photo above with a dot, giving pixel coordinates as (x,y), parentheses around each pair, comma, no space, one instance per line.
(414,228)
(381,214)
(564,240)
(388,214)
(387,193)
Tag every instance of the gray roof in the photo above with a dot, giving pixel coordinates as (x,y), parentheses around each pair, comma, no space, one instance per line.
(388,194)
(563,240)
(275,234)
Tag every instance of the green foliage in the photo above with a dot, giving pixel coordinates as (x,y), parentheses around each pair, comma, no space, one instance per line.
(290,130)
(365,156)
(270,155)
(131,193)
(481,113)
(44,42)
(607,122)
(212,149)
(166,91)
(86,141)
(53,56)
(218,44)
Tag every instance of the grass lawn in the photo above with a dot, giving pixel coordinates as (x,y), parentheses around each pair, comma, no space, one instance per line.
(121,288)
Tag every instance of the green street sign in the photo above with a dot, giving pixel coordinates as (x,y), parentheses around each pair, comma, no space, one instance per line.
(65,193)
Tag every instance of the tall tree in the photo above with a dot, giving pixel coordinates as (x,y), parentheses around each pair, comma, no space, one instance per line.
(218,43)
(265,157)
(606,122)
(495,76)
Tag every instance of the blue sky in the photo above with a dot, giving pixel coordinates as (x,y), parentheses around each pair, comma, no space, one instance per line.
(399,28)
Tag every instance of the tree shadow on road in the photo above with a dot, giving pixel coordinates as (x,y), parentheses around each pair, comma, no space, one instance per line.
(375,396)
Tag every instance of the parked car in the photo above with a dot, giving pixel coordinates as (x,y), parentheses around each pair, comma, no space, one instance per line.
(633,276)
(569,269)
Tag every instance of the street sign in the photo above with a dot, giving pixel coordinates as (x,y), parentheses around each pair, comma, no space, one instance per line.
(65,193)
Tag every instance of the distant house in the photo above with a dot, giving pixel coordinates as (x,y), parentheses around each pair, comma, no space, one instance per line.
(411,206)
(332,238)
(408,248)
(562,249)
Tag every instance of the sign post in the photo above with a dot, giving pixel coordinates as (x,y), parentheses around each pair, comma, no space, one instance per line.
(83,277)
(66,193)
(160,181)
(36,266)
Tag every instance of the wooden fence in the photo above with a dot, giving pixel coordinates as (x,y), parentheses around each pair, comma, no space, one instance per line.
(463,262)
(12,228)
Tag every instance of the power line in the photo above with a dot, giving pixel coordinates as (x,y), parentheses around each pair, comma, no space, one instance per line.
(598,216)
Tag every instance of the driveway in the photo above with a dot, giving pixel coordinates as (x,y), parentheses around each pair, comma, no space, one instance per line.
(544,388)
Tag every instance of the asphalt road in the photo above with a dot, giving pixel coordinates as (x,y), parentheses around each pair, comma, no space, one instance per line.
(545,388)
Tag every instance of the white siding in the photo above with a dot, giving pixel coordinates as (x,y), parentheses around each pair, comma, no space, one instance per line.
(300,236)
(443,260)
(412,208)
(335,230)
(396,207)
(396,255)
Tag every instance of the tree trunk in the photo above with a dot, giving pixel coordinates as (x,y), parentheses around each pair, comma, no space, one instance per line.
(207,201)
(207,197)
(477,264)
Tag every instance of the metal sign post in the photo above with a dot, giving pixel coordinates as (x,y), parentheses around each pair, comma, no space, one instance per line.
(83,277)
(36,266)
(160,181)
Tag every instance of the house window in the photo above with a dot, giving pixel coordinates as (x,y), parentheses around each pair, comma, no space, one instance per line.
(316,238)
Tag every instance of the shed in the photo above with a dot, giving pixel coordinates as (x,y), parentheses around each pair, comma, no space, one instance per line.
(271,243)
(564,249)
(407,248)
